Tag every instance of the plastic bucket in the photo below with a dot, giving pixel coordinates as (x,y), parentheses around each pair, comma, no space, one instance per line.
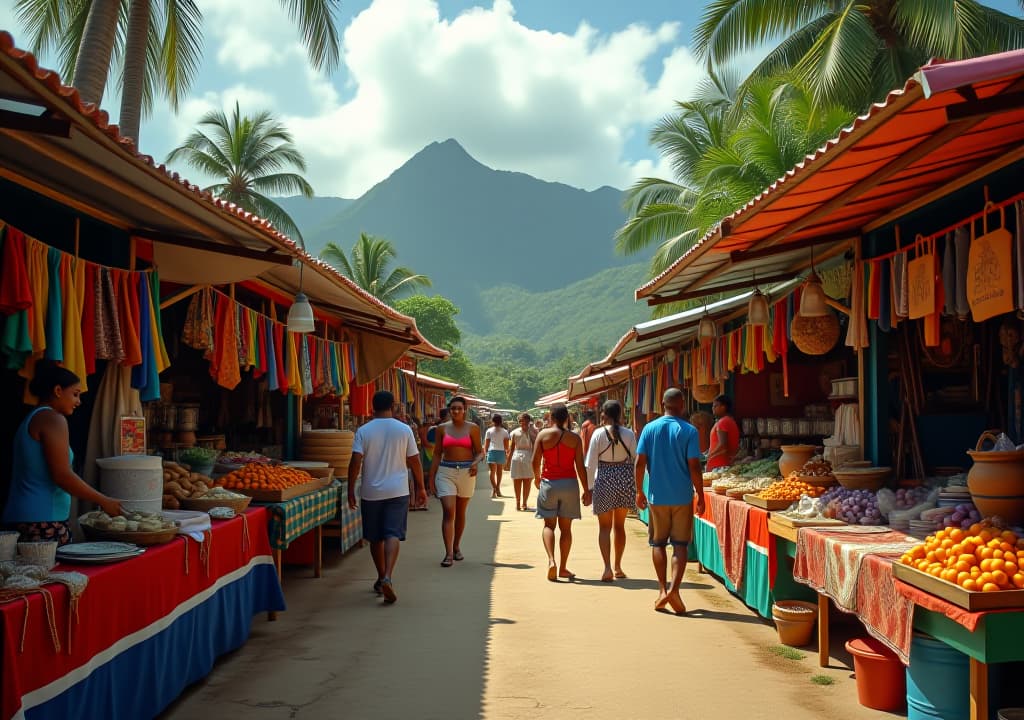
(135,480)
(938,681)
(881,679)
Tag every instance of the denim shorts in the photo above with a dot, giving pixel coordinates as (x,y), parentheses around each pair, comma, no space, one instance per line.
(383,519)
(496,457)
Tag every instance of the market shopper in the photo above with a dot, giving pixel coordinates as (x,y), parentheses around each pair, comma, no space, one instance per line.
(385,451)
(587,428)
(725,434)
(457,453)
(557,466)
(668,453)
(42,480)
(520,462)
(610,471)
(496,446)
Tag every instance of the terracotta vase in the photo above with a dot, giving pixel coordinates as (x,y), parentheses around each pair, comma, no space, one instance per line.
(794,457)
(996,482)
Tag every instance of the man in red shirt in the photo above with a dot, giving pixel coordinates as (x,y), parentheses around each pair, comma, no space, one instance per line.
(587,429)
(725,435)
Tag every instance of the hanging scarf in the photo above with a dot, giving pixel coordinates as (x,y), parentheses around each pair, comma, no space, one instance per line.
(336,370)
(15,291)
(54,308)
(885,297)
(900,287)
(307,375)
(224,367)
(874,290)
(962,243)
(74,348)
(933,321)
(294,365)
(128,316)
(85,281)
(109,345)
(199,321)
(39,279)
(857,333)
(272,364)
(145,377)
(281,351)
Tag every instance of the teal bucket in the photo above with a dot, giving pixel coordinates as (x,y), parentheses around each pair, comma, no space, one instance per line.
(938,681)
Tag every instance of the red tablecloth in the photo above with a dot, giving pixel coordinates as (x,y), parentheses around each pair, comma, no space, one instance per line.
(936,604)
(124,606)
(738,524)
(855,571)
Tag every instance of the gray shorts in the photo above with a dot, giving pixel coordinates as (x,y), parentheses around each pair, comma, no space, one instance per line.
(559,499)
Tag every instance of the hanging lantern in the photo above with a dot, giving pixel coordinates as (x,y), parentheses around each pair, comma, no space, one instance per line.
(300,315)
(812,298)
(707,330)
(670,356)
(757,309)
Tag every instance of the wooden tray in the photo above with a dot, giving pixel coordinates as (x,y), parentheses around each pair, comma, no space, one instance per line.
(973,601)
(759,502)
(720,490)
(281,495)
(136,538)
(205,504)
(818,480)
(735,493)
(798,523)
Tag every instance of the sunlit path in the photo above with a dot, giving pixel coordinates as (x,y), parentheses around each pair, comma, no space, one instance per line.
(492,638)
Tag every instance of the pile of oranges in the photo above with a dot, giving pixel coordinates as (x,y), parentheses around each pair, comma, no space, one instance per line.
(256,476)
(790,489)
(981,558)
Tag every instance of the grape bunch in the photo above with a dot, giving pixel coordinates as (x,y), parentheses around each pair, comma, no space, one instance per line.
(855,507)
(907,498)
(963,516)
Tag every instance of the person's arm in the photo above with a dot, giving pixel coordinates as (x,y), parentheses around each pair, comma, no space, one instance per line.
(538,455)
(508,452)
(581,472)
(412,461)
(355,465)
(641,468)
(435,461)
(478,453)
(591,459)
(487,441)
(697,478)
(55,441)
(508,443)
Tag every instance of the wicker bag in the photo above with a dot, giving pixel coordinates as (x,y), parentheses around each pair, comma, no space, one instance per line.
(815,335)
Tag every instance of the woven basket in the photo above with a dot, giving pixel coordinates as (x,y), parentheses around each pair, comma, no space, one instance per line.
(205,504)
(862,478)
(705,393)
(815,335)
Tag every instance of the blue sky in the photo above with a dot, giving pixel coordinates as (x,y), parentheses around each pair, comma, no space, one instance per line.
(565,90)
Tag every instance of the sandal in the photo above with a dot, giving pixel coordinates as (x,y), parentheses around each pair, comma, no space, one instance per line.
(378,587)
(447,562)
(458,555)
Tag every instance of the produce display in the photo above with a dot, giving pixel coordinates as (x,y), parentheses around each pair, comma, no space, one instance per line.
(817,466)
(181,484)
(907,498)
(757,469)
(128,522)
(979,558)
(219,493)
(746,477)
(856,507)
(789,489)
(242,458)
(962,516)
(256,476)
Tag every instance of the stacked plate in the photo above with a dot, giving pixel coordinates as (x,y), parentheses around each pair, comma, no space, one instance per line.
(96,553)
(953,495)
(921,528)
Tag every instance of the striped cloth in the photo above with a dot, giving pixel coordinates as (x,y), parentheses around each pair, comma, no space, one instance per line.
(351,526)
(296,517)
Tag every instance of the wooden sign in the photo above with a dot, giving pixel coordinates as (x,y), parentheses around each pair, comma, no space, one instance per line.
(921,285)
(990,275)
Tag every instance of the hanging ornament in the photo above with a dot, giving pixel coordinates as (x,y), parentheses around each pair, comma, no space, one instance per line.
(812,298)
(757,309)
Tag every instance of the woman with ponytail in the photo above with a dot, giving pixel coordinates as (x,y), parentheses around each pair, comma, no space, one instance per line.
(42,481)
(609,462)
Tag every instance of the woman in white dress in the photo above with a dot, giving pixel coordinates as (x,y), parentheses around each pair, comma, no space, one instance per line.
(520,464)
(609,462)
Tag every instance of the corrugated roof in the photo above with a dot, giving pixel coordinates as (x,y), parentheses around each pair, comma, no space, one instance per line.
(901,150)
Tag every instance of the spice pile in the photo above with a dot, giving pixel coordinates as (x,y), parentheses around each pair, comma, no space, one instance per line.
(256,476)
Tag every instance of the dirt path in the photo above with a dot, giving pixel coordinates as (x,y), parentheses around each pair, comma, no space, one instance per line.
(492,638)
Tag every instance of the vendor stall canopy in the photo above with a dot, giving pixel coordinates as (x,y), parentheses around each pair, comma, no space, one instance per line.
(950,125)
(63,149)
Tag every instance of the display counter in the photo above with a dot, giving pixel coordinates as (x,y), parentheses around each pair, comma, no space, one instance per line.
(145,629)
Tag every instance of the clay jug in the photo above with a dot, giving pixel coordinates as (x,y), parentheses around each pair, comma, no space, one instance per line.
(996,481)
(794,457)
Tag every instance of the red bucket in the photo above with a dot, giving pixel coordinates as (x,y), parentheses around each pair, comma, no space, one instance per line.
(881,677)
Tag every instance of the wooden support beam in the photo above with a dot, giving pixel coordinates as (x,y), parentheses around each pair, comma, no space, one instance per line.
(737,256)
(57,196)
(985,107)
(740,285)
(179,296)
(44,124)
(269,256)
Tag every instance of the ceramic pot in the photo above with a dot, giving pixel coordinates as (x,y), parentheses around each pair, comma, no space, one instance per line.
(996,481)
(794,457)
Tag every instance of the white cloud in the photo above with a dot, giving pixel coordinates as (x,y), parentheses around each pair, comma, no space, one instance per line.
(249,35)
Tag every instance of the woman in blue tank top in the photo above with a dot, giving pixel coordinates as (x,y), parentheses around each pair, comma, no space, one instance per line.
(42,481)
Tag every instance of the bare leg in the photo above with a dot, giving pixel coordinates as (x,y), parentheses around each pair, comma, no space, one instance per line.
(548,536)
(377,553)
(604,541)
(460,522)
(619,525)
(448,524)
(390,548)
(564,546)
(527,485)
(498,469)
(660,558)
(679,553)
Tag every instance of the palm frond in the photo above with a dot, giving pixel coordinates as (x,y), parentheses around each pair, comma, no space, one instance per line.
(837,68)
(728,27)
(950,29)
(277,215)
(283,184)
(788,53)
(46,21)
(315,19)
(182,48)
(652,225)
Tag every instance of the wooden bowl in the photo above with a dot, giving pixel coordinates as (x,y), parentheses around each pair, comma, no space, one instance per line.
(818,480)
(862,478)
(238,504)
(138,538)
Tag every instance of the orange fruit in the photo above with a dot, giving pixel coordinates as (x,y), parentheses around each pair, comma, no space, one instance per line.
(969,585)
(956,534)
(961,566)
(961,577)
(999,577)
(1009,536)
(989,587)
(968,558)
(975,529)
(1009,567)
(985,552)
(1018,580)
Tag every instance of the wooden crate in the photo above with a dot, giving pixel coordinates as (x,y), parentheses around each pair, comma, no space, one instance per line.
(294,491)
(973,601)
(760,502)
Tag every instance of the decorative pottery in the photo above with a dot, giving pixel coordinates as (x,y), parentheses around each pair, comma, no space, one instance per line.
(794,457)
(996,481)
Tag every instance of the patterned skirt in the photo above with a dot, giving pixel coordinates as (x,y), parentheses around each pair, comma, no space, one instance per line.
(614,487)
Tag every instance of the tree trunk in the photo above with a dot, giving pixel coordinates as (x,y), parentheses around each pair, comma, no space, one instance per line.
(93,63)
(134,69)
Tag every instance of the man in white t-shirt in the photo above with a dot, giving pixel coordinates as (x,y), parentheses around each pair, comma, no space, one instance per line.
(384,449)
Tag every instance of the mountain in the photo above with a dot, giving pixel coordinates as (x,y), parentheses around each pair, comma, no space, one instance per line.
(311,214)
(471,228)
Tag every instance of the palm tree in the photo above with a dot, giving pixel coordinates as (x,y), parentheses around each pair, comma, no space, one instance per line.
(724,150)
(250,155)
(157,44)
(853,51)
(367,267)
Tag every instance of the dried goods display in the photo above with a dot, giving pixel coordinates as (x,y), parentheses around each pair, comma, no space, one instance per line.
(182,484)
(817,466)
(790,489)
(256,476)
(128,522)
(979,558)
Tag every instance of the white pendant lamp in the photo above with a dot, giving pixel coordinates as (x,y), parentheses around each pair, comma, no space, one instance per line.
(812,298)
(707,330)
(757,308)
(300,314)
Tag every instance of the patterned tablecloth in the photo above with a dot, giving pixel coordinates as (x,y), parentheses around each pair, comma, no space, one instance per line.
(351,522)
(296,517)
(855,570)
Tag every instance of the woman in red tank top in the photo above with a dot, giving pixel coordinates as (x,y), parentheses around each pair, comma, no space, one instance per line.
(557,468)
(452,477)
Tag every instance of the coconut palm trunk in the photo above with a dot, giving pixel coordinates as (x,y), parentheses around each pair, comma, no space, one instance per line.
(134,68)
(93,63)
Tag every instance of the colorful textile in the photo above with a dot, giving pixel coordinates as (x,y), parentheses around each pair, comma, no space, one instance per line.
(874,290)
(307,376)
(224,362)
(272,360)
(857,333)
(290,519)
(128,316)
(199,321)
(16,343)
(962,242)
(280,351)
(884,296)
(145,375)
(109,343)
(85,282)
(163,359)
(54,326)
(39,279)
(900,287)
(15,291)
(130,654)
(74,349)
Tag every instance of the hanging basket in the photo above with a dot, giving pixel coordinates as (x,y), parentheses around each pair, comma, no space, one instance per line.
(815,335)
(705,393)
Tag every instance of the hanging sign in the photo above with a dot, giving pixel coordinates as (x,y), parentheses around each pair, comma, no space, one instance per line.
(990,273)
(921,285)
(133,435)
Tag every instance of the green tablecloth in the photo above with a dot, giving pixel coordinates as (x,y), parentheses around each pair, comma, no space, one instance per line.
(296,517)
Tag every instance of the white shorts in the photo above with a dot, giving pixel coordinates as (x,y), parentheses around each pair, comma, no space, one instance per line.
(454,481)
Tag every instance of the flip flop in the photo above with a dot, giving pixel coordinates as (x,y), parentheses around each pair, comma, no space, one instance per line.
(621,576)
(553,574)
(458,556)
(447,562)
(377,587)
(388,592)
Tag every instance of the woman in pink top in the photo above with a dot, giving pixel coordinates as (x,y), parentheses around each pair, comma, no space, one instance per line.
(457,453)
(560,452)
(725,435)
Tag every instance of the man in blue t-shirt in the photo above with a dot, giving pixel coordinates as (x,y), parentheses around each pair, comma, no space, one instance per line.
(669,452)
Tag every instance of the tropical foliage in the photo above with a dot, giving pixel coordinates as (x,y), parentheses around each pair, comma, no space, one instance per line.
(852,52)
(157,45)
(250,156)
(368,266)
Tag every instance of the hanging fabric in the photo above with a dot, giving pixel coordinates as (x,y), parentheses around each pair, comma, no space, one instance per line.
(109,344)
(885,296)
(74,349)
(54,308)
(874,290)
(962,241)
(224,362)
(145,377)
(949,276)
(85,282)
(128,317)
(857,333)
(199,321)
(901,291)
(15,291)
(307,375)
(273,365)
(163,359)
(39,280)
(933,321)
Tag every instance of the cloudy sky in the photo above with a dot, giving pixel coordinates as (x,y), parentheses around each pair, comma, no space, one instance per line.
(565,90)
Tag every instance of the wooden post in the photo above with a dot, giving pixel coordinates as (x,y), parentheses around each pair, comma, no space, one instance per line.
(78,229)
(131,252)
(318,551)
(979,690)
(823,641)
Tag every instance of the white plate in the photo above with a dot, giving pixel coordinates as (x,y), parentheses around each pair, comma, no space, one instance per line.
(97,548)
(100,559)
(222,513)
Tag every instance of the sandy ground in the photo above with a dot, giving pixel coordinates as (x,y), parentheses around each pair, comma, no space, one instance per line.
(492,638)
